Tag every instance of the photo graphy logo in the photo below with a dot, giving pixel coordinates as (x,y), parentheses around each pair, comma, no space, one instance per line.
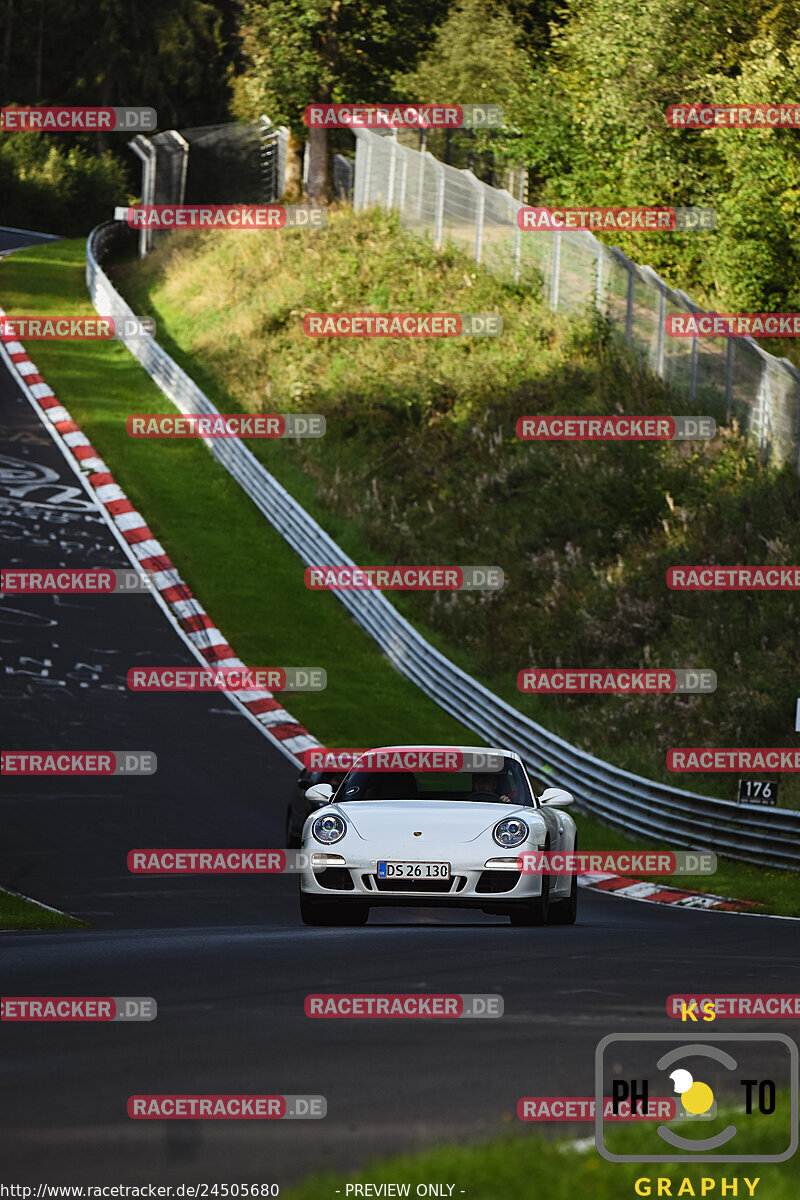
(727,1070)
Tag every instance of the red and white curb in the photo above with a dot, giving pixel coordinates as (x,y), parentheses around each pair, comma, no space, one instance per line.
(660,893)
(146,553)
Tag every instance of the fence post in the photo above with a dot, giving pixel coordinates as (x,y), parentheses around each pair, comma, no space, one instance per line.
(183,150)
(479,213)
(439,225)
(556,271)
(144,149)
(599,278)
(517,248)
(401,203)
(693,370)
(392,169)
(629,305)
(662,317)
(368,173)
(729,380)
(420,185)
(283,149)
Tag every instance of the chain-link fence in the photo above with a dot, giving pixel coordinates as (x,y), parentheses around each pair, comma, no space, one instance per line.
(574,269)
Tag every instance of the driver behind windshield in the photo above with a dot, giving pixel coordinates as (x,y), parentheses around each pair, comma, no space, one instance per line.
(490,784)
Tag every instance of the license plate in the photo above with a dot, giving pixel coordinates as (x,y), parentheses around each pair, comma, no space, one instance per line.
(413,870)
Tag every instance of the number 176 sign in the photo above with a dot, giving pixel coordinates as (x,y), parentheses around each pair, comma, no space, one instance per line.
(758,791)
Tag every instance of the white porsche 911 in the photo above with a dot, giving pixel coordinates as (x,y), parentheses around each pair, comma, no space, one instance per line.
(436,837)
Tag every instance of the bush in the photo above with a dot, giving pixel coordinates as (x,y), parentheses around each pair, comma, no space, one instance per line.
(55,189)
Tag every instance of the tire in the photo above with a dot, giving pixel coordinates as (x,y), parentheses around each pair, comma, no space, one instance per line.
(534,912)
(293,840)
(320,912)
(564,912)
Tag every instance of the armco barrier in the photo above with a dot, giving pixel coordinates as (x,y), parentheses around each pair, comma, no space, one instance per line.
(630,802)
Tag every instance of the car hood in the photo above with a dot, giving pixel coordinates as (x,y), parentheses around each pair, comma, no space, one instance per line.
(451,820)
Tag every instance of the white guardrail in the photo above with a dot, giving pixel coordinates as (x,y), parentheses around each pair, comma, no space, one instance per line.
(630,802)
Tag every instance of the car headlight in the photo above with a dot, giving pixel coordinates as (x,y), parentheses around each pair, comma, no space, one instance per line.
(329,829)
(511,832)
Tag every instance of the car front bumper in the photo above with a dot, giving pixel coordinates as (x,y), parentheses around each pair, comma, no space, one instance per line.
(471,884)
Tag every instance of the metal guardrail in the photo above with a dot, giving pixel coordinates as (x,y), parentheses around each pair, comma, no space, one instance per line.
(629,802)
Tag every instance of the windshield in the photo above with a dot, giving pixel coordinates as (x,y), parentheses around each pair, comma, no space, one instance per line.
(506,786)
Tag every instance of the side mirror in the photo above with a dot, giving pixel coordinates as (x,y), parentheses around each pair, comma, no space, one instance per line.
(320,794)
(554,798)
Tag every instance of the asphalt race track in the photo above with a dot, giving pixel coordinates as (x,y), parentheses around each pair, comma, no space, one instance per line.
(18,239)
(227,958)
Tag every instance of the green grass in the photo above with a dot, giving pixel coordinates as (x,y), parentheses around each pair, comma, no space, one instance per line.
(530,1165)
(19,912)
(244,572)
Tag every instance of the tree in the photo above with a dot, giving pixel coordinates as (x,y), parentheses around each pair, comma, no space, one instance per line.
(477,55)
(305,52)
(592,112)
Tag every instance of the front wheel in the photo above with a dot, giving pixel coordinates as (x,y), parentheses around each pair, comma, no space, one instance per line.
(293,840)
(534,912)
(321,912)
(564,912)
